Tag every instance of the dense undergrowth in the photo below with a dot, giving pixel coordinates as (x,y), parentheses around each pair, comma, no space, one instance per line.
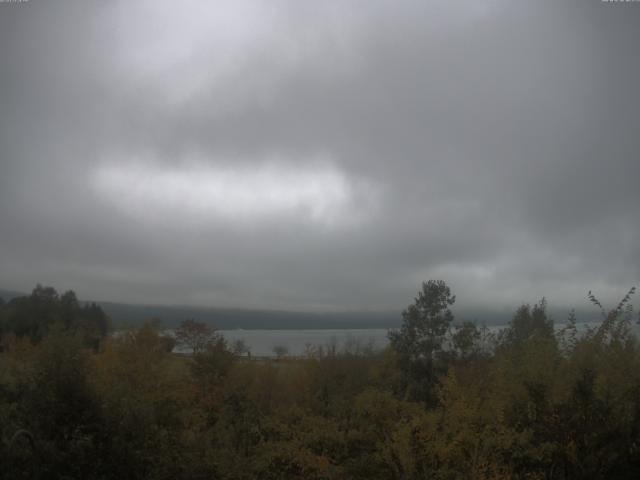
(444,401)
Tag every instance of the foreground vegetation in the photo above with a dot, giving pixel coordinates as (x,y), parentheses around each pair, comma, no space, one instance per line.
(444,401)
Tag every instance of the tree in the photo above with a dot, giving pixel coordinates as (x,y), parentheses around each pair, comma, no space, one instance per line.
(69,307)
(195,335)
(280,350)
(419,342)
(466,340)
(33,316)
(59,410)
(93,320)
(3,315)
(529,322)
(211,364)
(240,347)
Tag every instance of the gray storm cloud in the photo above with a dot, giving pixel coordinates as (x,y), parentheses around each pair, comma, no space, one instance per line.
(320,155)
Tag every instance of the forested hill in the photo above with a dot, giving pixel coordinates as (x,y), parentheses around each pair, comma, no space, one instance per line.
(7,295)
(124,315)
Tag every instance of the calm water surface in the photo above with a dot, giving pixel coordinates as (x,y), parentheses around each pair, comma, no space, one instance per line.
(262,342)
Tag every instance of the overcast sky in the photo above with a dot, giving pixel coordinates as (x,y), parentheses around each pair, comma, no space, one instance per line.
(313,155)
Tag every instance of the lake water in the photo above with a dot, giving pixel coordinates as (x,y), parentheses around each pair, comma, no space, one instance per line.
(296,342)
(262,342)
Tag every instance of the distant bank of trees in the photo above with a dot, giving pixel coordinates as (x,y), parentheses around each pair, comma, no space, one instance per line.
(445,400)
(35,315)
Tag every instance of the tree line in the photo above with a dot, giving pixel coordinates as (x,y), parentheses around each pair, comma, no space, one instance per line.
(445,399)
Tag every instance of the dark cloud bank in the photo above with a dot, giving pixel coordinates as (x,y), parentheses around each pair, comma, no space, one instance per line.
(320,156)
